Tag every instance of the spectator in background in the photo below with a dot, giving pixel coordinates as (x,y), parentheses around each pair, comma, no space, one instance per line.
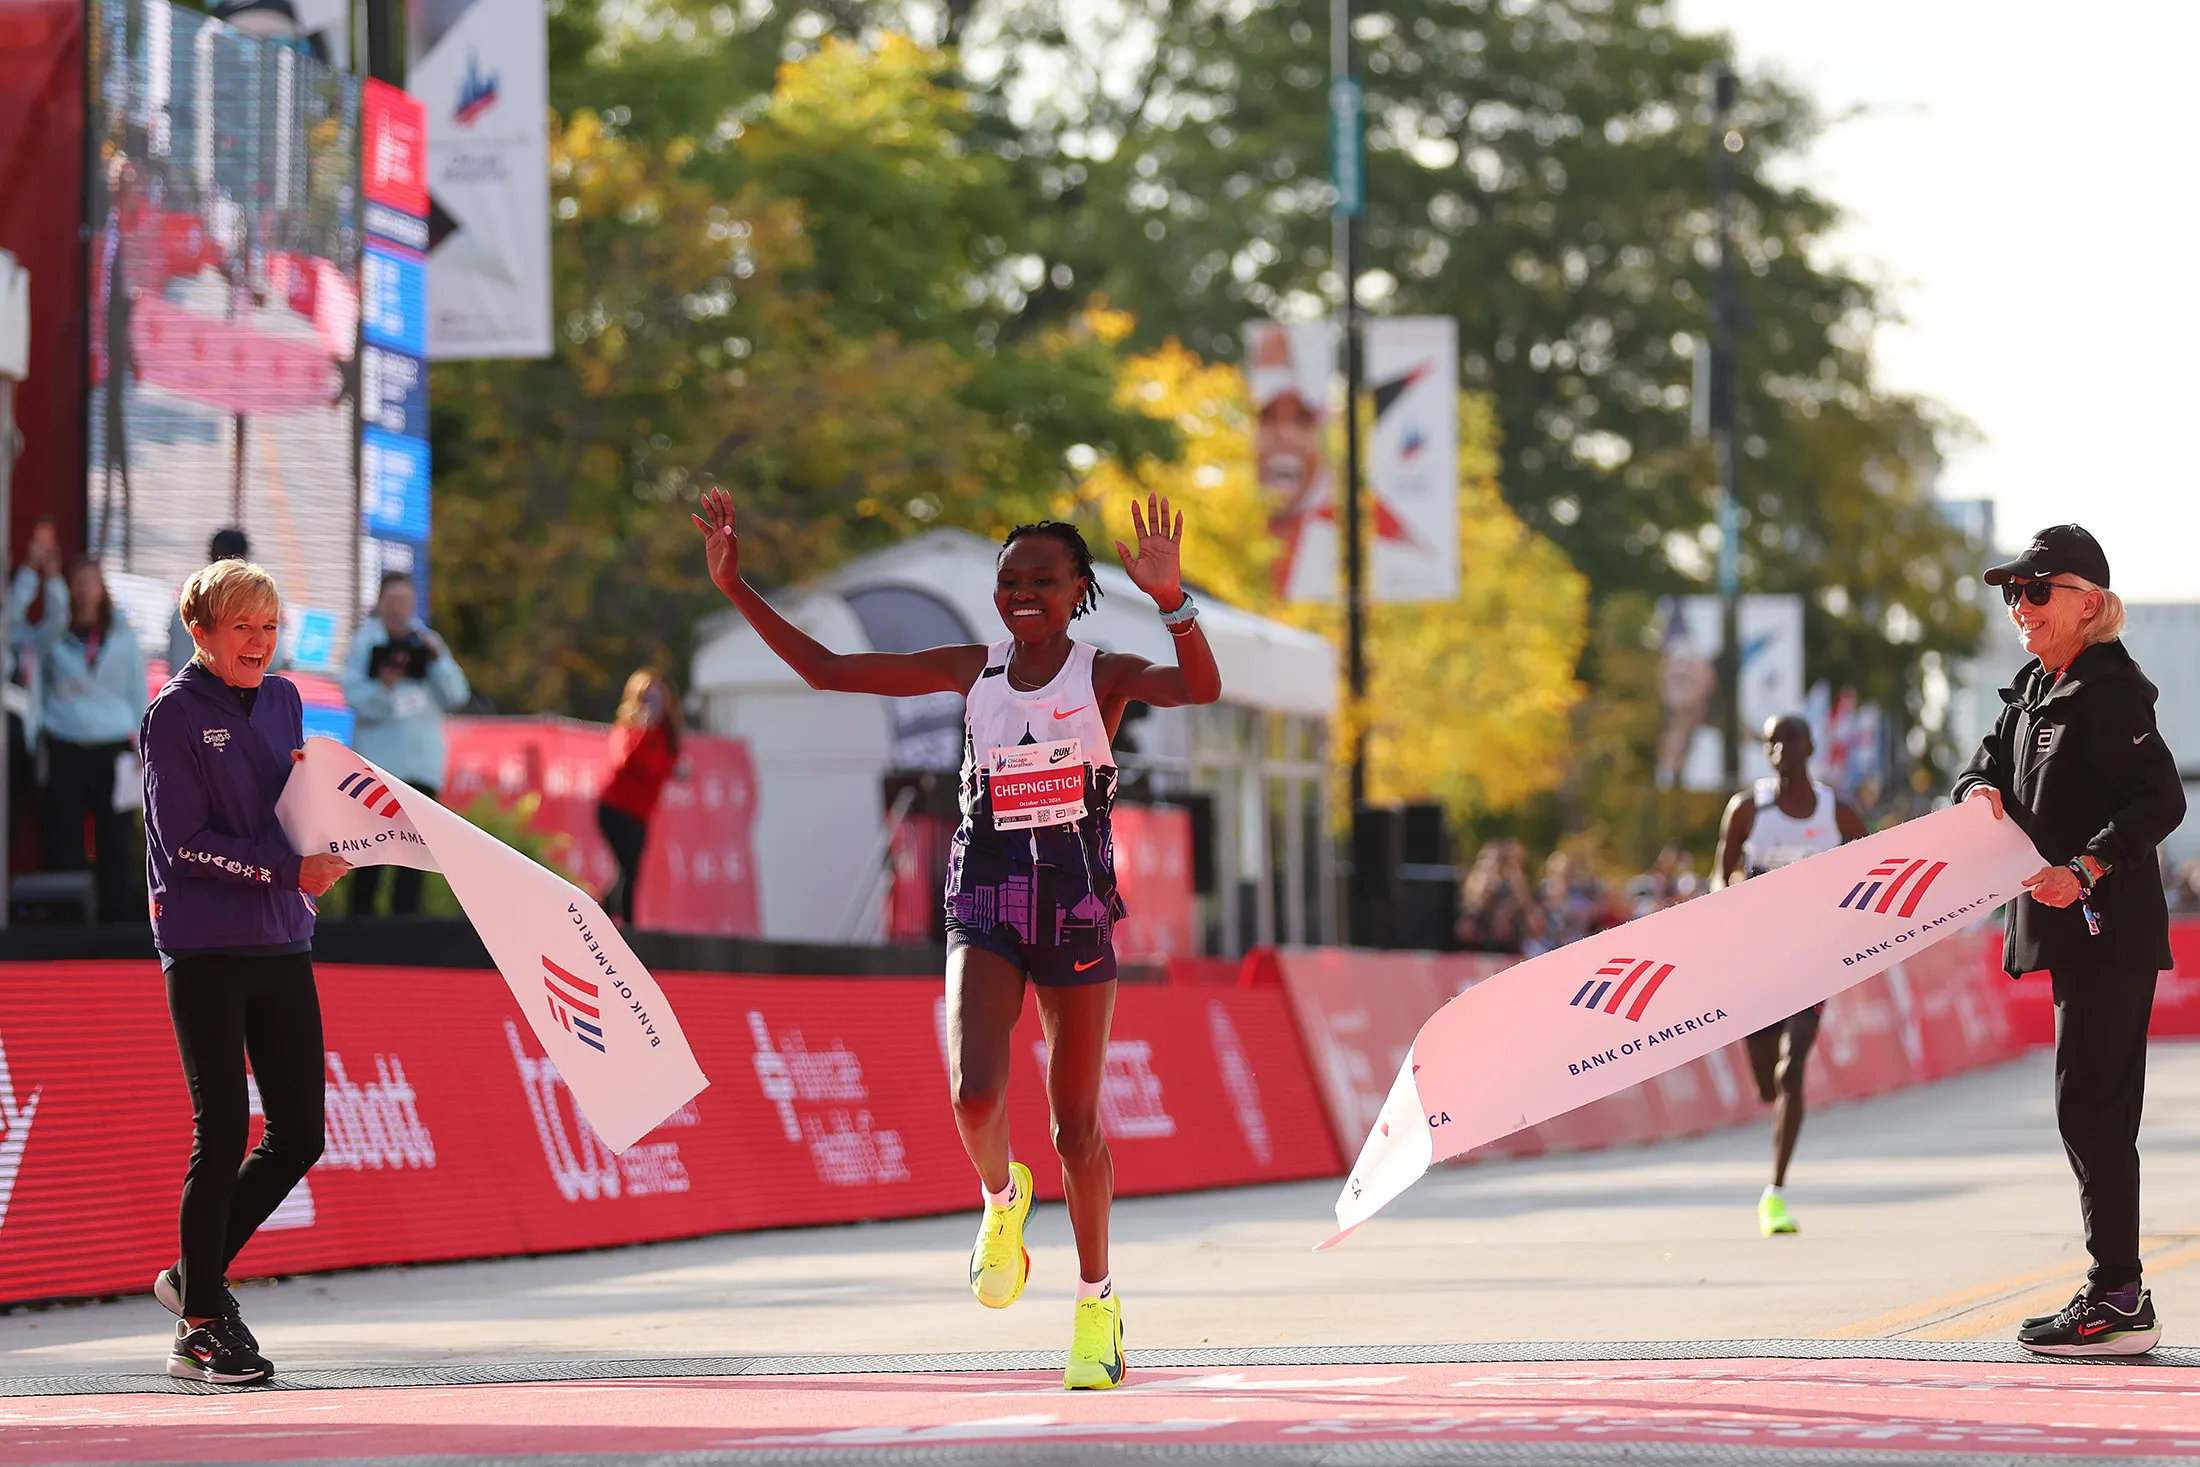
(91,696)
(1495,901)
(41,559)
(645,752)
(1575,900)
(2184,893)
(400,680)
(228,544)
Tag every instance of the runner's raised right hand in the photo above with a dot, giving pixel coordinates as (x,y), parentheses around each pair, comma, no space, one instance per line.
(721,547)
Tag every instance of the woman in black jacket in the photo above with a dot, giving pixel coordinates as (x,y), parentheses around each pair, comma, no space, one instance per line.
(2076,760)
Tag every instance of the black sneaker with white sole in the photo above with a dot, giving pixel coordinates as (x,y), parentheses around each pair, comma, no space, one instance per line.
(216,1352)
(2039,1319)
(168,1289)
(2095,1326)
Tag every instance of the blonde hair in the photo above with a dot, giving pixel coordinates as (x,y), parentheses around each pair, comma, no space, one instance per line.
(637,688)
(226,590)
(2107,623)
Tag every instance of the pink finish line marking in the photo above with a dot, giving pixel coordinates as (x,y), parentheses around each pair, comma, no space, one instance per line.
(2072,1410)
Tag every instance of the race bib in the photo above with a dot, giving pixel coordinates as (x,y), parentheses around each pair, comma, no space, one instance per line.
(1037,784)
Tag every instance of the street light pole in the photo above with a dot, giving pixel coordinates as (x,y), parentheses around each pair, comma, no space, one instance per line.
(383,61)
(1347,174)
(1725,143)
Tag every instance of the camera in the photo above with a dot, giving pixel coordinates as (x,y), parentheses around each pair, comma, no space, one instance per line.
(410,654)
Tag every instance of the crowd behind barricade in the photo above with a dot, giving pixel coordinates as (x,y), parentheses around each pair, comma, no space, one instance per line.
(79,681)
(1504,909)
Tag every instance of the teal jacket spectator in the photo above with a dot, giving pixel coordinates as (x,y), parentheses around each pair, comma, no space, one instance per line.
(88,693)
(399,702)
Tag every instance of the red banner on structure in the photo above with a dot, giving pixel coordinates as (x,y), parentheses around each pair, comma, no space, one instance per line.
(450,1136)
(1153,869)
(393,150)
(699,867)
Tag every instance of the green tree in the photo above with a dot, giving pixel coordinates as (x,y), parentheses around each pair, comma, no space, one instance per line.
(1541,172)
(804,307)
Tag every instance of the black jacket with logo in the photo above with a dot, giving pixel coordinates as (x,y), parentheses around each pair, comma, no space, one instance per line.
(2081,768)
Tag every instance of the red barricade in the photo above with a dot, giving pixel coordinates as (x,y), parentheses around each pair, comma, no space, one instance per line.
(1936,1015)
(2031,1002)
(699,868)
(1153,866)
(449,1136)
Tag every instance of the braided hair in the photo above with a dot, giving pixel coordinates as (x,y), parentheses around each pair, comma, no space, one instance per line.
(1070,538)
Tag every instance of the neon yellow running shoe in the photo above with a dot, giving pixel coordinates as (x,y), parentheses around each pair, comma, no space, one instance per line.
(1096,1350)
(1000,1265)
(1773,1216)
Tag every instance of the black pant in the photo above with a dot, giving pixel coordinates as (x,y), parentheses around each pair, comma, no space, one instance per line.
(224,1009)
(2100,1086)
(366,883)
(80,781)
(626,836)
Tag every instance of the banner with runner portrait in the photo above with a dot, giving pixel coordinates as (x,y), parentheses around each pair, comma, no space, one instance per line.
(1289,370)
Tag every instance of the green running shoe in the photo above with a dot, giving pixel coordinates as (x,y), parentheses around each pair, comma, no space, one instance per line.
(1773,1216)
(999,1264)
(1096,1346)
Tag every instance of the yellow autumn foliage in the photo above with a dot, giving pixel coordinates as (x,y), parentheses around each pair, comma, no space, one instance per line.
(1470,700)
(1227,547)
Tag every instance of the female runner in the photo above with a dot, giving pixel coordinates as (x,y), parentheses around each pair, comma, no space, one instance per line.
(1031,882)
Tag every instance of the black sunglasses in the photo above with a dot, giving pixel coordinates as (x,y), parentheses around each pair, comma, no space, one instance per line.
(2039,593)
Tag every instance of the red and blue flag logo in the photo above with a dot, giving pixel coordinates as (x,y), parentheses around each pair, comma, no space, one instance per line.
(1617,980)
(1899,878)
(372,793)
(573,1004)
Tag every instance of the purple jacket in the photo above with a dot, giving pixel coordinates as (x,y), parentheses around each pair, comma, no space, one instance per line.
(218,869)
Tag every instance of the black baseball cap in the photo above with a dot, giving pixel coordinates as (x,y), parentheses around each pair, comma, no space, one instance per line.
(2058,550)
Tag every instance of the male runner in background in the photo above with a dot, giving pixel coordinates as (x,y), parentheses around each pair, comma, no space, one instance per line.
(1781,820)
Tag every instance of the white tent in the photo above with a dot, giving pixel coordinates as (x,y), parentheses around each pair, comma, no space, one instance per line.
(822,757)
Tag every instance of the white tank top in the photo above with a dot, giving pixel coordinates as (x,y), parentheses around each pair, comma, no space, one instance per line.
(1779,839)
(999,716)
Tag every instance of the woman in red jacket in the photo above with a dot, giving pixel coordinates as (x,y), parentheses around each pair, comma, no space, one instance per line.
(645,751)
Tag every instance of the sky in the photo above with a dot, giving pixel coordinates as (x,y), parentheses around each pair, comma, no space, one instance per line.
(2021,175)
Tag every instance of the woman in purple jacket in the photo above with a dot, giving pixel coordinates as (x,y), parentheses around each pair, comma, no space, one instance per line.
(233,919)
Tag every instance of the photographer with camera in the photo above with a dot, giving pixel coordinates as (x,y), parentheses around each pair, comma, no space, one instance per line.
(400,681)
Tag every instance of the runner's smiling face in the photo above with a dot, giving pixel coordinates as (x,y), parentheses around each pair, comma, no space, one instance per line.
(1037,589)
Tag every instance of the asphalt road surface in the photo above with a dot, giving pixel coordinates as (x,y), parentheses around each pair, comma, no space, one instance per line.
(1562,1309)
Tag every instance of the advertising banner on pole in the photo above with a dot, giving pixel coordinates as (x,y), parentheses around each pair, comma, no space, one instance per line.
(1608,1012)
(482,69)
(393,353)
(1770,630)
(1413,459)
(1289,370)
(1690,637)
(596,1011)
